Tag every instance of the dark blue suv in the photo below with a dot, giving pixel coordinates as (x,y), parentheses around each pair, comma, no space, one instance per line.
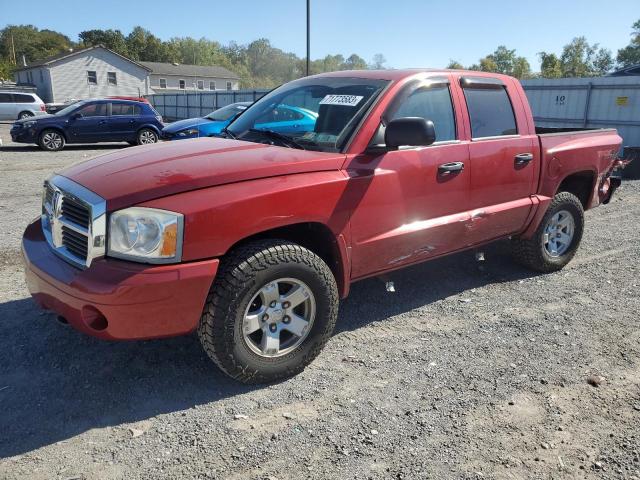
(91,121)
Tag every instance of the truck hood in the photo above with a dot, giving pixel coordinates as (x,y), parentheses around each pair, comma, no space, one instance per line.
(139,174)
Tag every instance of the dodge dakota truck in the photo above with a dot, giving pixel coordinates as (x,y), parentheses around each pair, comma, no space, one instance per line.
(252,238)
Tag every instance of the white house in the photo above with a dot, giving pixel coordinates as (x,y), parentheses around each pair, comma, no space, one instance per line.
(99,72)
(87,73)
(175,78)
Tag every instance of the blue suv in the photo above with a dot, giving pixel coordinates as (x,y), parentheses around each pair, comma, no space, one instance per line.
(91,121)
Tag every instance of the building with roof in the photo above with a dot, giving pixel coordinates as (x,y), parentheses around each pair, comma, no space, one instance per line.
(175,78)
(86,73)
(99,72)
(632,70)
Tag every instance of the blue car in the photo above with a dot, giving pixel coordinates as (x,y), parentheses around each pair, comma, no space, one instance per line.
(91,121)
(283,119)
(208,126)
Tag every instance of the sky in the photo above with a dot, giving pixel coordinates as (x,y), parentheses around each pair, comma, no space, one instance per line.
(409,33)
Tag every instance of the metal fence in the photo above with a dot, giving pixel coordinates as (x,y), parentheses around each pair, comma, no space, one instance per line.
(588,102)
(177,106)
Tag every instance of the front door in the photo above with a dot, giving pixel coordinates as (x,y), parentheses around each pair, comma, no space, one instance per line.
(89,123)
(411,204)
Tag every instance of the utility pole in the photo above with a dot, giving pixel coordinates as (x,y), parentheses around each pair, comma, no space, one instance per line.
(13,51)
(308,34)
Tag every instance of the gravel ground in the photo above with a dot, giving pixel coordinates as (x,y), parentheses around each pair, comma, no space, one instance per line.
(470,370)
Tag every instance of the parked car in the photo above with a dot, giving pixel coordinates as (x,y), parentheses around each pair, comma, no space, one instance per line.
(135,99)
(207,126)
(20,105)
(92,121)
(52,108)
(251,239)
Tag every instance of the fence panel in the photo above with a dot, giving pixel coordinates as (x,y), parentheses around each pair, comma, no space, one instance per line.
(178,106)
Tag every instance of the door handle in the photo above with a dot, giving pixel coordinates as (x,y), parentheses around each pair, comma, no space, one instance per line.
(102,122)
(523,158)
(450,168)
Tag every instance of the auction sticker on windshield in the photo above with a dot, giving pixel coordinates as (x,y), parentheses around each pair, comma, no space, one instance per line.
(344,100)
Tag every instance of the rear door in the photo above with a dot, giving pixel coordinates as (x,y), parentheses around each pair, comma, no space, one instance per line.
(411,208)
(7,107)
(503,155)
(124,121)
(91,125)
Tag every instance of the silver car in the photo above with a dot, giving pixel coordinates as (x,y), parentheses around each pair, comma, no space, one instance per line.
(20,105)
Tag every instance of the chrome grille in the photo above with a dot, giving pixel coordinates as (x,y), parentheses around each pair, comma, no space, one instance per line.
(73,221)
(76,212)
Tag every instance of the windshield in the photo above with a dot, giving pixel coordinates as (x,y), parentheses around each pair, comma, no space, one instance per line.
(312,113)
(69,109)
(226,113)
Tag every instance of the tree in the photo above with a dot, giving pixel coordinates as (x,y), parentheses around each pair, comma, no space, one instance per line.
(580,59)
(378,62)
(111,39)
(141,44)
(31,42)
(630,55)
(550,66)
(455,65)
(355,62)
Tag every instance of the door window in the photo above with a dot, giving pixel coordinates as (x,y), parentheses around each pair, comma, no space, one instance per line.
(124,109)
(490,112)
(5,98)
(93,110)
(428,101)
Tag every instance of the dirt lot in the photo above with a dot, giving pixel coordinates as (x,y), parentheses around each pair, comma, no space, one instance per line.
(470,370)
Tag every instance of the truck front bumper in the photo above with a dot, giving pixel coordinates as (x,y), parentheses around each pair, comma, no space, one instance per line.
(114,299)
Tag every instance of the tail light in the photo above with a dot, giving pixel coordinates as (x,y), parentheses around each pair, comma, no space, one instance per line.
(43,108)
(159,118)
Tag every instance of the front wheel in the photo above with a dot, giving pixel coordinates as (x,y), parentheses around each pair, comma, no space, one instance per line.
(271,309)
(51,140)
(556,239)
(147,136)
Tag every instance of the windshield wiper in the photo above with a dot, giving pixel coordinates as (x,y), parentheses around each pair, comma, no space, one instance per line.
(228,133)
(288,141)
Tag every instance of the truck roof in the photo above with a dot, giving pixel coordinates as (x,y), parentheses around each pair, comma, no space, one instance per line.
(395,75)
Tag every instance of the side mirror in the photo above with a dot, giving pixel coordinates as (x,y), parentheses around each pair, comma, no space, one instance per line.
(410,131)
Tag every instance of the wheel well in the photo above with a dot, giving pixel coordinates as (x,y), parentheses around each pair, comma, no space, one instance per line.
(26,111)
(579,184)
(313,236)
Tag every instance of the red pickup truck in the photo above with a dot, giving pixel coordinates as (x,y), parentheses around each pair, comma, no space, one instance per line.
(251,238)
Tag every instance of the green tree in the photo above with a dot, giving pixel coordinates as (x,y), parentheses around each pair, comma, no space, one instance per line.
(143,45)
(630,55)
(550,66)
(31,42)
(455,65)
(355,62)
(378,62)
(111,39)
(580,59)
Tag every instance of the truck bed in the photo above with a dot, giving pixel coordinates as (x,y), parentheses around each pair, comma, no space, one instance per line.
(557,130)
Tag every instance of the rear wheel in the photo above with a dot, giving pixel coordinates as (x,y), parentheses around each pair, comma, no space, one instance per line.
(51,140)
(271,309)
(25,114)
(556,239)
(147,136)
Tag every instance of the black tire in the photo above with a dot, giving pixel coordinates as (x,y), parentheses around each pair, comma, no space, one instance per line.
(146,136)
(240,276)
(51,140)
(25,114)
(532,252)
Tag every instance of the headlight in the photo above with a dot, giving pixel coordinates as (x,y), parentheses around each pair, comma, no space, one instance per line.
(189,131)
(146,235)
(28,124)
